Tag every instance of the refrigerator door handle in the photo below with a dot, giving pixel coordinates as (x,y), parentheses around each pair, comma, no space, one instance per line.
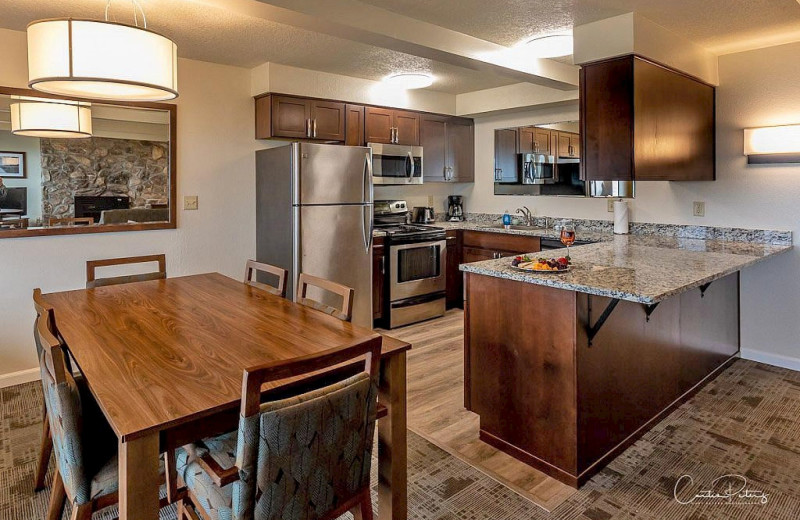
(366,208)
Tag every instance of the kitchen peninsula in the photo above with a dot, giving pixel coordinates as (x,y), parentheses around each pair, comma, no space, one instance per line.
(566,370)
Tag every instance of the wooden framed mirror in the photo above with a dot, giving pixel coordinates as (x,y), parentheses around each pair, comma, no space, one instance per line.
(121,178)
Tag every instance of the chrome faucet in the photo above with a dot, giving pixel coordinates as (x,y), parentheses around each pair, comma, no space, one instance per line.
(526,214)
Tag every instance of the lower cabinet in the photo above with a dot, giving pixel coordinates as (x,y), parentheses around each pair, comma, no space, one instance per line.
(378,278)
(483,245)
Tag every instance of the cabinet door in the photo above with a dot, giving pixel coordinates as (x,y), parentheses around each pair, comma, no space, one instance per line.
(460,150)
(454,287)
(433,130)
(406,126)
(475,254)
(327,120)
(290,117)
(541,141)
(526,140)
(378,279)
(354,125)
(563,144)
(378,125)
(505,155)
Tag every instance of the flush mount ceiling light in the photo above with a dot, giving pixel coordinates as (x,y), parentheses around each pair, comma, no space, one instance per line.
(54,118)
(772,144)
(409,80)
(551,46)
(102,59)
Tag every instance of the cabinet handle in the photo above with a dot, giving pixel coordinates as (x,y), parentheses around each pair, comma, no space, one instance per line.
(383,265)
(396,136)
(314,130)
(535,146)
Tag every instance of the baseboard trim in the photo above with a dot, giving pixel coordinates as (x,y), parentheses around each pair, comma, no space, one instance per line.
(18,378)
(778,360)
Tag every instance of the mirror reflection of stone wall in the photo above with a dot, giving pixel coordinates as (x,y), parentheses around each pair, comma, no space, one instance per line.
(127,156)
(100,166)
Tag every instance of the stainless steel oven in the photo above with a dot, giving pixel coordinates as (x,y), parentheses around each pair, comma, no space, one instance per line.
(396,164)
(417,280)
(538,168)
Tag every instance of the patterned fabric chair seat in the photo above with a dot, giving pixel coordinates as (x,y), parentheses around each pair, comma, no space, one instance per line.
(295,457)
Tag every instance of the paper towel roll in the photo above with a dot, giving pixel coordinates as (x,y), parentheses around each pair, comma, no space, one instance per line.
(620,217)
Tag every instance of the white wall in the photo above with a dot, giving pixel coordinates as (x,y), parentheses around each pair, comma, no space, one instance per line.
(274,77)
(215,161)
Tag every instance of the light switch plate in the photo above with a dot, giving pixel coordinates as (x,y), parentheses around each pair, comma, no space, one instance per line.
(699,208)
(190,202)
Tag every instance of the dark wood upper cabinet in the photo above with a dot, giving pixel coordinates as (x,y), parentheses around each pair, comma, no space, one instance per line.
(406,126)
(354,125)
(390,126)
(290,117)
(327,120)
(449,147)
(433,137)
(379,125)
(525,135)
(461,149)
(567,145)
(643,121)
(505,155)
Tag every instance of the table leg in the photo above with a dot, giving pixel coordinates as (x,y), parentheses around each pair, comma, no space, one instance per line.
(138,478)
(392,441)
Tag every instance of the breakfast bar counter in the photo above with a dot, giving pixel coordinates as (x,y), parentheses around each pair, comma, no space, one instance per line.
(567,369)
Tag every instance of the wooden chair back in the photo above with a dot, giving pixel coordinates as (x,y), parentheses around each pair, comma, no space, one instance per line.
(281,274)
(70,221)
(91,266)
(345,312)
(14,223)
(342,417)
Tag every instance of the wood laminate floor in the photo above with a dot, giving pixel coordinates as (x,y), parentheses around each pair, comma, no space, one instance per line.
(436,409)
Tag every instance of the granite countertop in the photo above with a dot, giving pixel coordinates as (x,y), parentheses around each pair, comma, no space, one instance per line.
(643,269)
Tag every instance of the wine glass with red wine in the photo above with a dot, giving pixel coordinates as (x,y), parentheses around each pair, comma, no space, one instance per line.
(567,235)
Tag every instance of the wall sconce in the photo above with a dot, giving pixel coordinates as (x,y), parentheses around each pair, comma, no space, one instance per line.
(772,144)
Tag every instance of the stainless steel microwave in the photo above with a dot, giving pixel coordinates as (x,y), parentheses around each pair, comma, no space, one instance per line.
(538,168)
(396,164)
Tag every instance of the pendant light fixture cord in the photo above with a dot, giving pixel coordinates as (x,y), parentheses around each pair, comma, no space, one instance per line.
(137,9)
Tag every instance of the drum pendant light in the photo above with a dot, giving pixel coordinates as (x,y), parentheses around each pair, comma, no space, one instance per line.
(102,59)
(53,118)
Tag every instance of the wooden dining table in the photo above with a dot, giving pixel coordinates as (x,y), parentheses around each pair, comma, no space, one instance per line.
(164,359)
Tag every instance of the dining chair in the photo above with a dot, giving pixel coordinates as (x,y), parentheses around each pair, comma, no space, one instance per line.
(345,312)
(281,274)
(46,446)
(84,444)
(91,266)
(305,456)
(70,221)
(14,223)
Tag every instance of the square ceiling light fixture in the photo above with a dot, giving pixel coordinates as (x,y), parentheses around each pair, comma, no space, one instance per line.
(772,144)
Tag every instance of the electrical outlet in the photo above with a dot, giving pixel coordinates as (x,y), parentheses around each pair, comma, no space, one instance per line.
(430,201)
(610,205)
(190,202)
(699,209)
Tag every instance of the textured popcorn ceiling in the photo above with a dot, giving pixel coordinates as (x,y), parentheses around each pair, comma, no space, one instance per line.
(227,36)
(719,25)
(220,36)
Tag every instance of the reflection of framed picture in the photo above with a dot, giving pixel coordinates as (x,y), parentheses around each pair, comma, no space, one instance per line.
(12,165)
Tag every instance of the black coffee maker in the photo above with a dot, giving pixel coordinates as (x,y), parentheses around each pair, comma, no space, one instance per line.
(455,208)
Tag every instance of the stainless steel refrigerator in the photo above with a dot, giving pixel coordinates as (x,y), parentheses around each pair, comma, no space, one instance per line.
(314,215)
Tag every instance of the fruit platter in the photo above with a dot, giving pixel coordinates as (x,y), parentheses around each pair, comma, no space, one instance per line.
(541,265)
